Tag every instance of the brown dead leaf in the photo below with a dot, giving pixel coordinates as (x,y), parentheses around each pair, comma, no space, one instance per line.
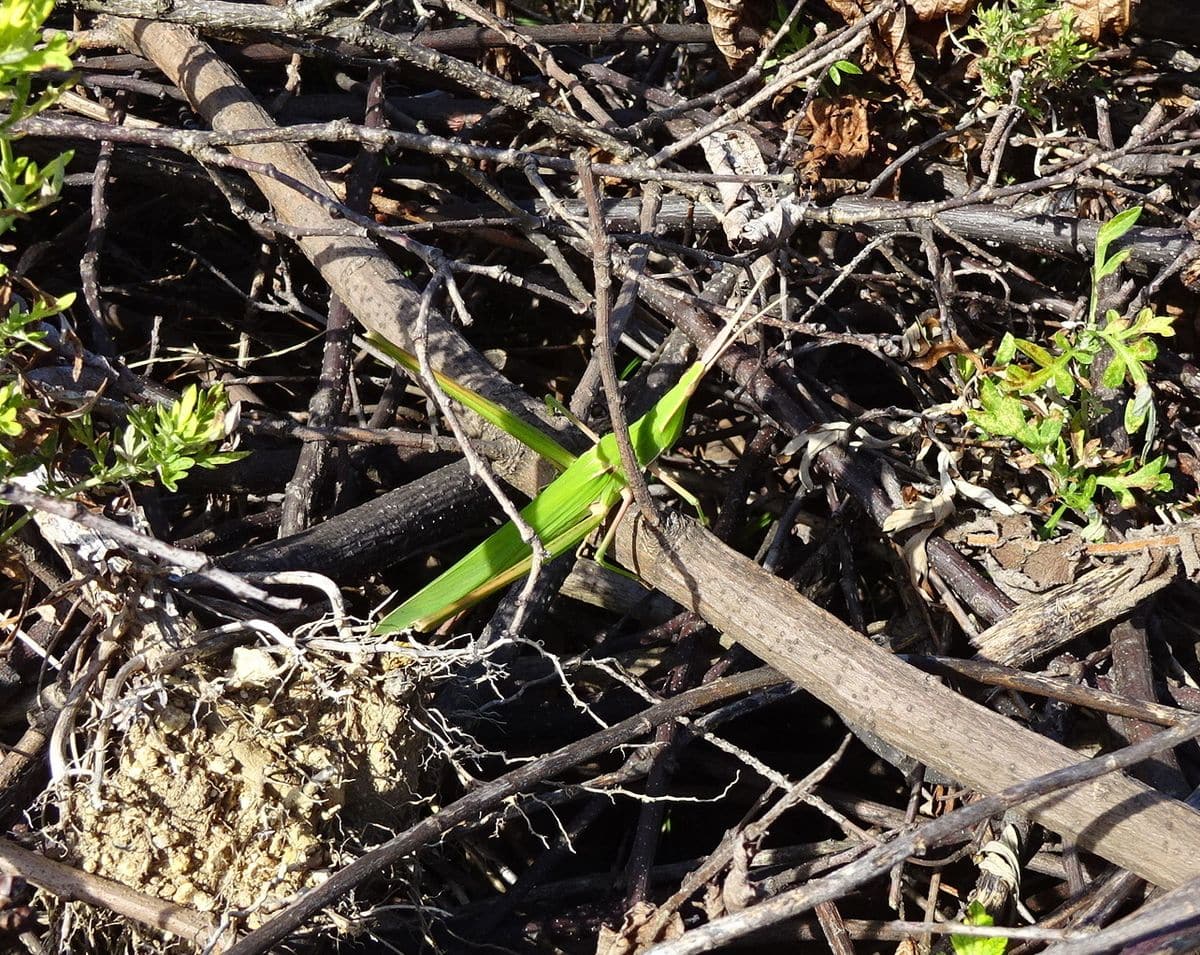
(1190,276)
(939,350)
(724,17)
(12,566)
(887,47)
(938,9)
(940,19)
(634,934)
(1189,464)
(923,345)
(850,10)
(1094,18)
(711,902)
(838,132)
(737,891)
(1091,19)
(895,54)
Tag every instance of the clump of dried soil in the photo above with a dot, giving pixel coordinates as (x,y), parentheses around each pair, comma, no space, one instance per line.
(232,790)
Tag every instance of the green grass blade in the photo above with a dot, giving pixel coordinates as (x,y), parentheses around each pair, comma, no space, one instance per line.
(573,505)
(660,427)
(563,515)
(533,438)
(429,606)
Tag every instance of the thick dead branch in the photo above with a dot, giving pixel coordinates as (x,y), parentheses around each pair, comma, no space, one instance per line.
(1141,830)
(371,286)
(1038,627)
(72,884)
(1033,232)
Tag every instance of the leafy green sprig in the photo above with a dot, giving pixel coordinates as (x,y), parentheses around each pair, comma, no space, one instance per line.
(1009,32)
(798,36)
(26,187)
(1041,397)
(156,443)
(978,944)
(161,442)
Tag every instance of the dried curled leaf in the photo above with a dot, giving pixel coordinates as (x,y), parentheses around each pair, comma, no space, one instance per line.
(725,17)
(938,9)
(636,932)
(1190,276)
(839,134)
(1092,19)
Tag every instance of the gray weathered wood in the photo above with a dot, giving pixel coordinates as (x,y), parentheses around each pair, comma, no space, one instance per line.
(379,295)
(1116,817)
(1043,624)
(1121,820)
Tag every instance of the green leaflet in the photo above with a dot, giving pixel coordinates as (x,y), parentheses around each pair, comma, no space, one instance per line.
(570,508)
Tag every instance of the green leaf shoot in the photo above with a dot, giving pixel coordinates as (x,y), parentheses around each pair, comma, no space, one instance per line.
(975,944)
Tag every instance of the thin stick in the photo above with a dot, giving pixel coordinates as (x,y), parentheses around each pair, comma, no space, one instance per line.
(1102,701)
(341,130)
(353,435)
(601,264)
(74,884)
(723,854)
(102,342)
(197,564)
(538,54)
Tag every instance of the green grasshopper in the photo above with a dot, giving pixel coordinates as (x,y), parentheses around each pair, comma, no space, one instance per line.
(572,506)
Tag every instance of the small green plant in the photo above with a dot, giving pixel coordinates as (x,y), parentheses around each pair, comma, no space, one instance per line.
(161,442)
(975,944)
(156,443)
(12,404)
(19,338)
(18,328)
(1041,397)
(24,186)
(798,36)
(1009,32)
(843,68)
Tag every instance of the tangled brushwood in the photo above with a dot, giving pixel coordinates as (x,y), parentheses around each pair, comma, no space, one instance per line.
(599,478)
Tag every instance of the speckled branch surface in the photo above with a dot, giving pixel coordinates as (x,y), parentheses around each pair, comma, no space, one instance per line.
(381,298)
(1116,817)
